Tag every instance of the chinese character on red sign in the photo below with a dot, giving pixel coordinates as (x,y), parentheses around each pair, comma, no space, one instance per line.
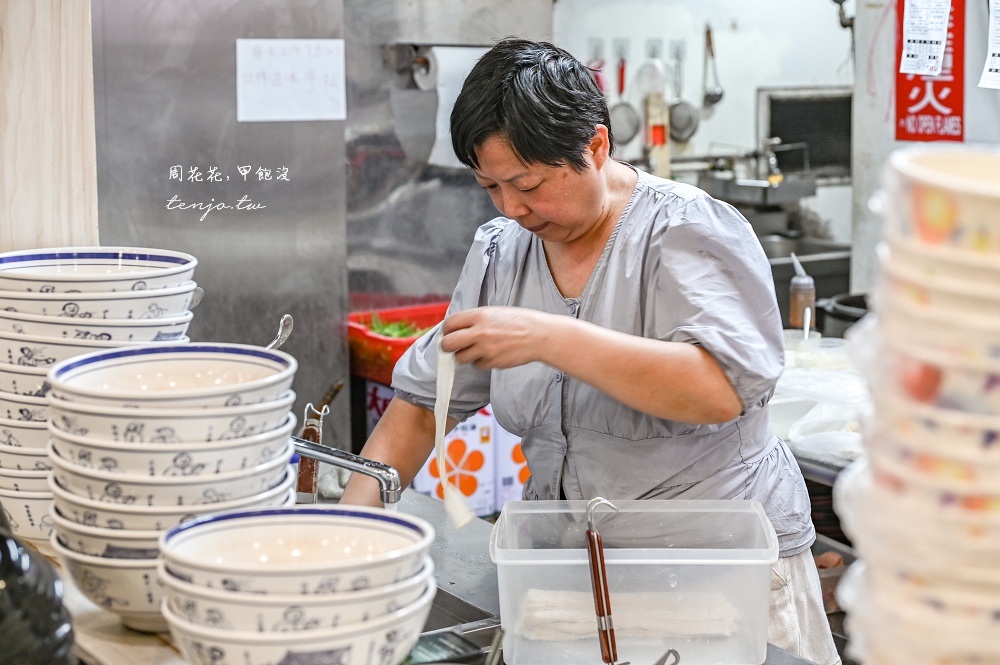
(932,108)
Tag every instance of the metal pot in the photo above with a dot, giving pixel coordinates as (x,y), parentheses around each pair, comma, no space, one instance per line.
(841,312)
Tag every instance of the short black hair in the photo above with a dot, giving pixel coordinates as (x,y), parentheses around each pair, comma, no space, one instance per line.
(539,98)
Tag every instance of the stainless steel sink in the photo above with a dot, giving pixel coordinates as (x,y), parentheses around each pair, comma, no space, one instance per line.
(782,247)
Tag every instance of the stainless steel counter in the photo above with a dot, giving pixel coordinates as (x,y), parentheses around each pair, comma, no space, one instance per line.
(468,576)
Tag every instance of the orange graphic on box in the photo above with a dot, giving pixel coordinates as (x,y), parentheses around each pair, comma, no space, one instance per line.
(460,468)
(518,455)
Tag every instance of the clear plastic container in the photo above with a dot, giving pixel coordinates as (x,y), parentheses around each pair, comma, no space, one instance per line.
(694,576)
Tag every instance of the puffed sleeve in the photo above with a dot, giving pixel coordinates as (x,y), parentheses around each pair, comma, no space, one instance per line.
(415,376)
(713,287)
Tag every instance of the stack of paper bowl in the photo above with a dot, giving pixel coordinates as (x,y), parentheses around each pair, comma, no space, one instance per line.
(300,584)
(144,438)
(924,509)
(58,303)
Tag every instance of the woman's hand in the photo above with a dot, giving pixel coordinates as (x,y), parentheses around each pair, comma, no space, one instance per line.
(498,337)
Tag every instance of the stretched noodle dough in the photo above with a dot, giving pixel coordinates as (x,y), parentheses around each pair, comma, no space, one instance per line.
(454,503)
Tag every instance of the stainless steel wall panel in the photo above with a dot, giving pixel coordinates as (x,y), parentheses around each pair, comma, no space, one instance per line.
(409,225)
(165,83)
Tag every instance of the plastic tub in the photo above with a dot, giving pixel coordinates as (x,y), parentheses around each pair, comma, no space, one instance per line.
(372,355)
(689,575)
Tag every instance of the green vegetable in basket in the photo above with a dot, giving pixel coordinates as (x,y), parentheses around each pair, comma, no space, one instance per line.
(401,328)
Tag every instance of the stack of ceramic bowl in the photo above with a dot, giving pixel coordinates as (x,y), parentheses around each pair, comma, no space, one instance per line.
(298,585)
(142,439)
(924,510)
(58,303)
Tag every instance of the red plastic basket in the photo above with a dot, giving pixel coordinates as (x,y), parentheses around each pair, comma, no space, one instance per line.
(372,355)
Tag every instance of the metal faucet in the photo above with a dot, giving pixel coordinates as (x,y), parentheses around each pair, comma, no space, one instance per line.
(390,487)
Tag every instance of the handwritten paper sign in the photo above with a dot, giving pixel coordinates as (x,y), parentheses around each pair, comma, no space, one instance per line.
(290,79)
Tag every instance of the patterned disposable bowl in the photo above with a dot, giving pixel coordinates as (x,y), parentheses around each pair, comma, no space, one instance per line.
(947,296)
(930,376)
(974,336)
(945,195)
(91,269)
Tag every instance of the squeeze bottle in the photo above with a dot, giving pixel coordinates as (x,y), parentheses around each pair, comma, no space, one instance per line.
(801,294)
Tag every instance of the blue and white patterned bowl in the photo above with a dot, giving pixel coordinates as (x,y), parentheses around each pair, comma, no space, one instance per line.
(305,550)
(165,329)
(386,639)
(91,269)
(172,425)
(155,304)
(175,375)
(127,587)
(23,433)
(137,516)
(24,459)
(31,480)
(188,459)
(40,351)
(27,513)
(104,542)
(272,612)
(27,408)
(23,380)
(133,489)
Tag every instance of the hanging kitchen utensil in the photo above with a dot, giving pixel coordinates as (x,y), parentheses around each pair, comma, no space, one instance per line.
(711,95)
(625,122)
(284,330)
(599,581)
(684,117)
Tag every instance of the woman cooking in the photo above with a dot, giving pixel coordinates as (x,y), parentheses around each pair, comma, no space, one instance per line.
(623,325)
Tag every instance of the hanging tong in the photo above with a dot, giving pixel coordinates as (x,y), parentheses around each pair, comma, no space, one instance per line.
(599,580)
(602,597)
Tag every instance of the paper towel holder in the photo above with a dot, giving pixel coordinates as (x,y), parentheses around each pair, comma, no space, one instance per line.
(406,59)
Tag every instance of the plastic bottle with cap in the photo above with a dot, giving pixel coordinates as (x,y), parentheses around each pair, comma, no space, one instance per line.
(801,294)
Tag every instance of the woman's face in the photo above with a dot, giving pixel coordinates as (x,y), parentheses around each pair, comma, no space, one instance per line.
(556,203)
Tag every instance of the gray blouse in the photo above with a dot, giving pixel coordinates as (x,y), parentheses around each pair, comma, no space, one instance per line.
(679,266)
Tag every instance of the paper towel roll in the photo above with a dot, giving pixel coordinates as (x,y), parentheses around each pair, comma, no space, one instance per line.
(447,67)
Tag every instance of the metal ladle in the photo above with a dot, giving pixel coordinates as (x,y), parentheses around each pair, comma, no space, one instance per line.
(284,330)
(713,95)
